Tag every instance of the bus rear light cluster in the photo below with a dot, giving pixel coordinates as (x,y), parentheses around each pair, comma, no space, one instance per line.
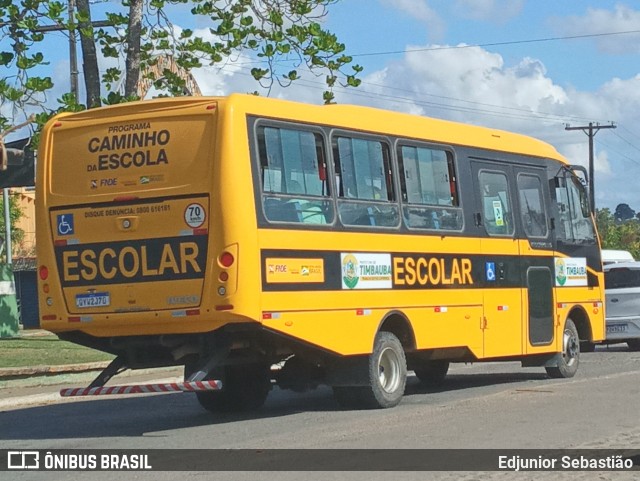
(225,260)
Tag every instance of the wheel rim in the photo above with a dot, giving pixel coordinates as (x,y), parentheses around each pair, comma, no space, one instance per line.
(389,370)
(571,347)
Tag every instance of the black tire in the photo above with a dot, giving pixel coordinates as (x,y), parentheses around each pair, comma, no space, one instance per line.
(569,361)
(244,388)
(634,344)
(432,372)
(587,346)
(386,377)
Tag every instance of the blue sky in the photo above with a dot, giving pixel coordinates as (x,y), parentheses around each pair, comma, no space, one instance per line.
(483,62)
(512,81)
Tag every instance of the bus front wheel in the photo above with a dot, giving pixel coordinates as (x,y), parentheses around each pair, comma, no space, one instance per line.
(568,362)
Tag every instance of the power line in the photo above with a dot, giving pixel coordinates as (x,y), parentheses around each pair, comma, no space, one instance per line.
(629,132)
(494,44)
(617,152)
(626,141)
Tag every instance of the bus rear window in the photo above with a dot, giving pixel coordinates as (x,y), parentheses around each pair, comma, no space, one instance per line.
(294,176)
(621,278)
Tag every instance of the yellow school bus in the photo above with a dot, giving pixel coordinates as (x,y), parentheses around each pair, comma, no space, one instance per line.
(259,242)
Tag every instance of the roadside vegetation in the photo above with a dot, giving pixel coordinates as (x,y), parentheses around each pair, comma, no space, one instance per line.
(31,351)
(619,229)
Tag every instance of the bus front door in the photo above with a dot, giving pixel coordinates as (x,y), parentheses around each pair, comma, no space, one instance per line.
(536,251)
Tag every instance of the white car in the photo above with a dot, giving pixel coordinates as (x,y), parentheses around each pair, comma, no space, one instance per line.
(622,293)
(610,256)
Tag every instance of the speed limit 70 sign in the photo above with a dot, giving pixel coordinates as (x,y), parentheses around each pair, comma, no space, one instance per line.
(194,215)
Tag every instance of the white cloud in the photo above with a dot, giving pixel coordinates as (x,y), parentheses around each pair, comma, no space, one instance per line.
(495,11)
(473,85)
(598,21)
(420,10)
(466,84)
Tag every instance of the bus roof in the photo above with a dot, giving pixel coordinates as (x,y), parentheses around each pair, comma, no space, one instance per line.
(372,119)
(351,117)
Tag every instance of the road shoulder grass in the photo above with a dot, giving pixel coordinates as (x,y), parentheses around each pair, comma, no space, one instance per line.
(45,350)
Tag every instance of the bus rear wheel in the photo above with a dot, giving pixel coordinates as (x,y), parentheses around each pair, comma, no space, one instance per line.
(387,377)
(244,388)
(567,363)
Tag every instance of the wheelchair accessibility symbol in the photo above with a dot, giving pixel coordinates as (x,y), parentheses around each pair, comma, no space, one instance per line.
(490,270)
(65,224)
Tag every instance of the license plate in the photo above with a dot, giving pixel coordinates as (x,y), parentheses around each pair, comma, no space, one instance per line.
(617,328)
(97,299)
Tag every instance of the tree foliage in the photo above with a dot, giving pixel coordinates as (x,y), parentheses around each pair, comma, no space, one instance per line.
(618,234)
(624,212)
(140,30)
(15,213)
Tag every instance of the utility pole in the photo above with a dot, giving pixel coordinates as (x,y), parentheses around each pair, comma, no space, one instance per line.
(73,56)
(591,130)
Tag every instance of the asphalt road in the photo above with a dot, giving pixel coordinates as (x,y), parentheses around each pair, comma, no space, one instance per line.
(499,406)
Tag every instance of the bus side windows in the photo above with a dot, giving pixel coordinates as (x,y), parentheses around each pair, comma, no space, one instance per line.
(364,182)
(496,204)
(429,188)
(294,176)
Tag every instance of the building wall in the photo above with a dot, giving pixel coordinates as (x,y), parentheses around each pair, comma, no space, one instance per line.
(26,199)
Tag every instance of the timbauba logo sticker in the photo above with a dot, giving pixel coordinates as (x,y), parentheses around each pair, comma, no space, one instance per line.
(350,276)
(367,270)
(571,271)
(561,272)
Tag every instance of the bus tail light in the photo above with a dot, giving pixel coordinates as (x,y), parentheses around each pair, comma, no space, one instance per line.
(226,259)
(44,273)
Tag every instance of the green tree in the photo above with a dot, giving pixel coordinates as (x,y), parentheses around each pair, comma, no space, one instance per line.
(140,30)
(616,234)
